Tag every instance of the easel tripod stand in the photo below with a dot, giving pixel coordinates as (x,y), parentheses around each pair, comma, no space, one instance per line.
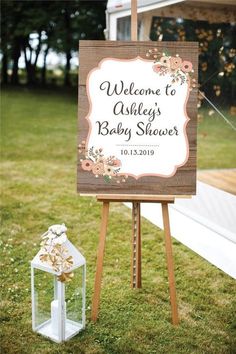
(136,246)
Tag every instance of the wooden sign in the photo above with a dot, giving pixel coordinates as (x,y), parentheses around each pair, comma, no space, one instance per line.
(137,117)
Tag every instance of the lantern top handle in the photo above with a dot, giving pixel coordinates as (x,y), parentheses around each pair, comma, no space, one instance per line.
(57,254)
(56,232)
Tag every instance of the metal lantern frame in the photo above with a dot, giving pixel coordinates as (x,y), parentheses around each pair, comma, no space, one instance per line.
(66,328)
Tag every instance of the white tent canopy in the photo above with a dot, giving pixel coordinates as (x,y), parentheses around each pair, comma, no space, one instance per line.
(209,10)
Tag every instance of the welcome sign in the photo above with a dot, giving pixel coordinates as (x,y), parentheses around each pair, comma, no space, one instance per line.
(137,117)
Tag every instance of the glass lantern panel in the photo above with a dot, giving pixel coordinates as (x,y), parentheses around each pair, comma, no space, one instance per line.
(43,296)
(74,299)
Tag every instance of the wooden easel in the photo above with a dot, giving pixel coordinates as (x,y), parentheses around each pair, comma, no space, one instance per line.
(136,228)
(136,246)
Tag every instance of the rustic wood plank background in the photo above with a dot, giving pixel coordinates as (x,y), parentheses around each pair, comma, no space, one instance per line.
(184,181)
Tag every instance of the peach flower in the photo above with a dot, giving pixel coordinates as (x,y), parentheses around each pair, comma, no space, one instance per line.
(165,61)
(98,169)
(87,165)
(186,66)
(175,62)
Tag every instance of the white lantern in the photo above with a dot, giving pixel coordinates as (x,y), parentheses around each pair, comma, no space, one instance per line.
(58,273)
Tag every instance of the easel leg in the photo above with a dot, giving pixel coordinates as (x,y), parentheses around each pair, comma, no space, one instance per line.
(136,247)
(170,263)
(100,255)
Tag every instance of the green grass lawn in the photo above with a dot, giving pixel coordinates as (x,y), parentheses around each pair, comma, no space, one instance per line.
(216,142)
(38,183)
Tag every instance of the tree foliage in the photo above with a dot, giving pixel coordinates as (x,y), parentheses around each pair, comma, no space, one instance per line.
(34,27)
(217,51)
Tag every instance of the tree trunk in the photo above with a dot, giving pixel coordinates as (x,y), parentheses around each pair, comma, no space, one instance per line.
(67,69)
(15,57)
(44,68)
(27,66)
(30,70)
(31,66)
(32,74)
(4,69)
(67,46)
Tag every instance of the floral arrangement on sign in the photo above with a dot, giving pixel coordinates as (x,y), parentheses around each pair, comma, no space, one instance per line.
(55,253)
(181,70)
(101,166)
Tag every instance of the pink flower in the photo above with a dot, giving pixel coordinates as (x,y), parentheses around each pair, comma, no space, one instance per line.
(87,165)
(98,169)
(175,62)
(186,66)
(156,68)
(165,61)
(117,163)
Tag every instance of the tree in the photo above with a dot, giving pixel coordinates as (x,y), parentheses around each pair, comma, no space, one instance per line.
(20,20)
(33,31)
(10,41)
(34,27)
(77,20)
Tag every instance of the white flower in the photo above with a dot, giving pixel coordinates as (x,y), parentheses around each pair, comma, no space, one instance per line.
(59,240)
(58,229)
(56,234)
